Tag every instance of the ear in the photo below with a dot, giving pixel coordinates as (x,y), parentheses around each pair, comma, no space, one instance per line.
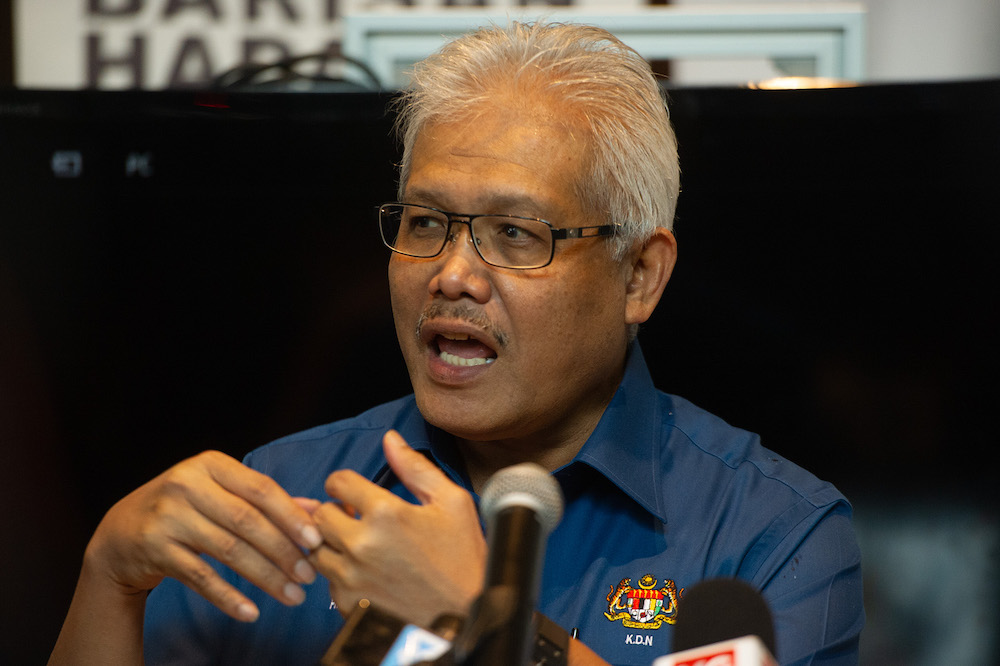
(652,266)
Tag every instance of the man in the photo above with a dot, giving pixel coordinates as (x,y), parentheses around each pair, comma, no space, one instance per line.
(516,316)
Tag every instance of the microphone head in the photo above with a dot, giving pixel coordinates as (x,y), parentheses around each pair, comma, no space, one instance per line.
(527,485)
(719,610)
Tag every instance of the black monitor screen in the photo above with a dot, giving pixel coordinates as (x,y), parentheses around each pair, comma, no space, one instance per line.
(185,270)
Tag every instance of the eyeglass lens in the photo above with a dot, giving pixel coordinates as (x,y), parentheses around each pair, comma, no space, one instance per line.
(510,242)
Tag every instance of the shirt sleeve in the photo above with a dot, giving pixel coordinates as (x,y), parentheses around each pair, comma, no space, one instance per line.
(181,627)
(811,579)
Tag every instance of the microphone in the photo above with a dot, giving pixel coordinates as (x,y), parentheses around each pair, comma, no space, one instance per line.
(722,622)
(521,505)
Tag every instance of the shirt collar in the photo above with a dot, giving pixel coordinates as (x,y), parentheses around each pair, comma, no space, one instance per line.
(624,446)
(436,444)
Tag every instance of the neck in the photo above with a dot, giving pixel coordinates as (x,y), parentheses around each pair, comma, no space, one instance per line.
(550,443)
(548,449)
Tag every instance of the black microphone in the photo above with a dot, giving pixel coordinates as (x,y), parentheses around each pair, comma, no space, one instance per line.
(521,505)
(719,610)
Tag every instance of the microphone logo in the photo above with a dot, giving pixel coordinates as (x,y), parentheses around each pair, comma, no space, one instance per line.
(723,658)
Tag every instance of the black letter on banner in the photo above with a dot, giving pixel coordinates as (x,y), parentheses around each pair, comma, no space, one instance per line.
(253,9)
(97,8)
(192,49)
(175,6)
(97,64)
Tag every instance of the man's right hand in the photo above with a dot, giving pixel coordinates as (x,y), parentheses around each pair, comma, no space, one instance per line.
(210,504)
(207,505)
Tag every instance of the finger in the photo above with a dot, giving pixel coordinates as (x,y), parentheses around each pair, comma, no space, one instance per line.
(337,528)
(333,566)
(246,525)
(343,585)
(307,503)
(232,503)
(249,562)
(198,575)
(420,476)
(330,562)
(348,509)
(267,496)
(354,494)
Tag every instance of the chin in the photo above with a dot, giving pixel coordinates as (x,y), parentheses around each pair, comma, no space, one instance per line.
(461,419)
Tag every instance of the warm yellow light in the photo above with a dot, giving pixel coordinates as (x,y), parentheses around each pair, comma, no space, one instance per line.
(800,83)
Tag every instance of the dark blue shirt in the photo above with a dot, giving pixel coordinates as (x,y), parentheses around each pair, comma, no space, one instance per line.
(661,496)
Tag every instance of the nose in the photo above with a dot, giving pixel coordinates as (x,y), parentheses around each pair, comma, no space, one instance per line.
(461,273)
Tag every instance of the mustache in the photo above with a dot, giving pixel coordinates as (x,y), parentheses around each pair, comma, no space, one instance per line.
(465,313)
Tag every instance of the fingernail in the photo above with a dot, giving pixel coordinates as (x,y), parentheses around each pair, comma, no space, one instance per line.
(294,593)
(304,572)
(247,612)
(311,536)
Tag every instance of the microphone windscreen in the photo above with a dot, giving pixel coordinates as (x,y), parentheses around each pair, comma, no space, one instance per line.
(527,485)
(721,609)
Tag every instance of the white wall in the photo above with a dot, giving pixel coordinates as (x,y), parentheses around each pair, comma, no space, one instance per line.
(933,39)
(907,40)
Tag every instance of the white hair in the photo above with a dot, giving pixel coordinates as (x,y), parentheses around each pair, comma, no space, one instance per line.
(602,85)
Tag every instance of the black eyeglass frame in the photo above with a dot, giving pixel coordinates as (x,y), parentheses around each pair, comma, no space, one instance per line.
(462,218)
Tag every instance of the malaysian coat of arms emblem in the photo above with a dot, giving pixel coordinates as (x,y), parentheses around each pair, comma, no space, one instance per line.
(645,606)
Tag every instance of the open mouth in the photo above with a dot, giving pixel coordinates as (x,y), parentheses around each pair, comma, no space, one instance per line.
(462,350)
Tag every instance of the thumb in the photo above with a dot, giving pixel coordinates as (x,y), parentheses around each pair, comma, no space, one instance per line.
(420,476)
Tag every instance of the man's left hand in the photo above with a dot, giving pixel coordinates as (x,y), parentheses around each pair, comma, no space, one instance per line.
(418,561)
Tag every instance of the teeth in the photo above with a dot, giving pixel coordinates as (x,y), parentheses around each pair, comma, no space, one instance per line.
(455,336)
(451,359)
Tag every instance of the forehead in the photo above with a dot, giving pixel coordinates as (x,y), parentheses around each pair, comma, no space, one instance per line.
(522,155)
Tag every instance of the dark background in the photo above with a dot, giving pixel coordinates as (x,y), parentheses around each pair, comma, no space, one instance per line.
(835,291)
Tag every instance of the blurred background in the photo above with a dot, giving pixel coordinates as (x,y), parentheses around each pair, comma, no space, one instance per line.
(189,260)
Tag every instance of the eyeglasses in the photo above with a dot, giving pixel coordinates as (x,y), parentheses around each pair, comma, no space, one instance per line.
(504,241)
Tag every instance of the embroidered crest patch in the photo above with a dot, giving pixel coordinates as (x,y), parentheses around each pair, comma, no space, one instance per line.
(645,607)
